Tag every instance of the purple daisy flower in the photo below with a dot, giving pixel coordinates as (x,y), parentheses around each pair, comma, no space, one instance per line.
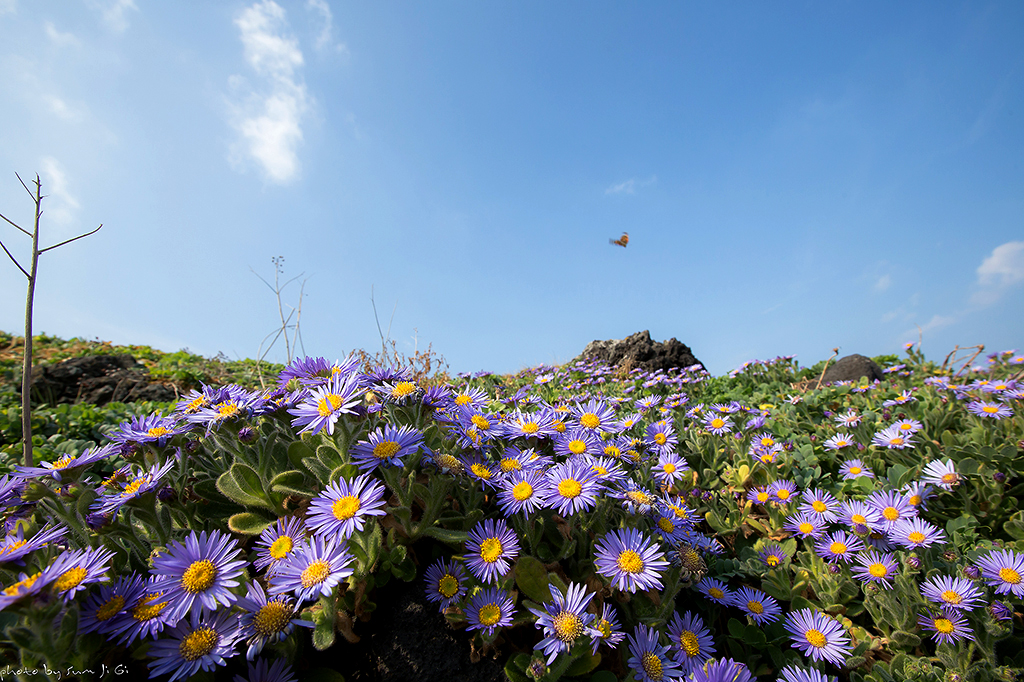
(892,438)
(990,410)
(578,441)
(201,643)
(343,507)
(529,425)
(848,419)
(277,542)
(908,426)
(950,626)
(630,560)
(873,567)
(782,491)
(724,670)
(595,416)
(839,546)
(840,441)
(855,468)
(202,569)
(661,437)
(857,513)
(573,487)
(691,641)
(324,405)
(154,428)
(27,586)
(101,609)
(564,620)
(772,555)
(650,660)
(717,424)
(490,550)
(892,506)
(146,617)
(266,621)
(914,533)
(606,629)
(953,593)
(446,583)
(139,483)
(312,372)
(818,636)
(715,590)
(760,495)
(15,546)
(635,499)
(490,609)
(805,525)
(313,569)
(917,494)
(1004,570)
(65,465)
(669,469)
(385,446)
(942,474)
(79,568)
(761,608)
(820,502)
(523,491)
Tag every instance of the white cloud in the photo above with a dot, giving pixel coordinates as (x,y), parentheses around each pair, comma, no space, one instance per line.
(113,12)
(61,108)
(59,39)
(8,6)
(1003,269)
(59,204)
(325,40)
(270,121)
(883,283)
(629,186)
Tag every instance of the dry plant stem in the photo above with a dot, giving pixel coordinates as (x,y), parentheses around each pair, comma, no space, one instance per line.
(951,356)
(26,371)
(981,348)
(277,288)
(835,352)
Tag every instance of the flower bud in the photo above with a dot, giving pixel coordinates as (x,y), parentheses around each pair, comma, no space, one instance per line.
(247,434)
(999,477)
(972,572)
(913,562)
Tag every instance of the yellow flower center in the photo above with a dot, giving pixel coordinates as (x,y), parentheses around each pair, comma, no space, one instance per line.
(196,404)
(763,496)
(70,579)
(199,576)
(612,451)
(489,614)
(691,645)
(590,420)
(490,550)
(755,607)
(837,548)
(815,638)
(315,573)
(448,585)
(386,449)
(133,487)
(463,400)
(951,597)
(652,665)
(949,479)
(639,497)
(329,404)
(717,423)
(577,447)
(782,494)
(402,389)
(568,626)
(522,491)
(569,488)
(280,547)
(944,625)
(819,506)
(772,560)
(806,528)
(666,525)
(990,409)
(896,440)
(605,627)
(916,537)
(914,500)
(480,422)
(111,608)
(855,470)
(146,610)
(63,462)
(16,588)
(482,471)
(891,513)
(345,508)
(630,562)
(530,427)
(559,426)
(157,431)
(227,409)
(510,464)
(859,518)
(660,438)
(1008,575)
(716,593)
(198,643)
(878,570)
(272,618)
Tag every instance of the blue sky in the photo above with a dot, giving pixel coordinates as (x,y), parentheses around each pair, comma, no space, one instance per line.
(793,176)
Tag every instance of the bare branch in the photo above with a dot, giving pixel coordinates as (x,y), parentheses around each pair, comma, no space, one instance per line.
(383,348)
(835,352)
(26,186)
(15,224)
(68,241)
(261,278)
(15,261)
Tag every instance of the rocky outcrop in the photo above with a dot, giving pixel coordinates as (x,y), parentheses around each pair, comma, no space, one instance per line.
(96,379)
(640,351)
(851,368)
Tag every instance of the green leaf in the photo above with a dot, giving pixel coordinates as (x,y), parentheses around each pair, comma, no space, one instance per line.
(323,675)
(299,451)
(514,672)
(583,665)
(755,636)
(968,466)
(248,523)
(1014,526)
(329,457)
(452,537)
(603,676)
(243,485)
(316,467)
(902,638)
(532,579)
(323,635)
(291,483)
(737,629)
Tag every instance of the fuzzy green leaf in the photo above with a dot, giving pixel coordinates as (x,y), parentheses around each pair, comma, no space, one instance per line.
(248,523)
(532,579)
(241,488)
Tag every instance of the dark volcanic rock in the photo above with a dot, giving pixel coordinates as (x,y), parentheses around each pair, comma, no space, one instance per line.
(640,351)
(96,379)
(851,368)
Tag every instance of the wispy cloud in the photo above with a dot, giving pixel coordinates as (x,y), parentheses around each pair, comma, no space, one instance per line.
(58,38)
(1000,271)
(883,283)
(325,39)
(630,186)
(938,322)
(8,6)
(61,108)
(59,205)
(113,12)
(270,120)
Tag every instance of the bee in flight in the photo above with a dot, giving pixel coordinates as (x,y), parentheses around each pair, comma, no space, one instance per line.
(621,241)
